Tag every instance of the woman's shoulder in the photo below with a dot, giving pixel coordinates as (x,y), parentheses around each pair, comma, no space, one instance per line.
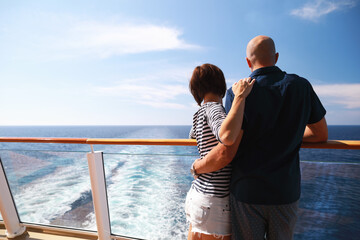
(211,107)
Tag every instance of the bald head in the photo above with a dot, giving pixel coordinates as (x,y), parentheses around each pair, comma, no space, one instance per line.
(260,52)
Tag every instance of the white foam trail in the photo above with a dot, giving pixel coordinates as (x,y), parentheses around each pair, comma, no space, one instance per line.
(52,195)
(144,196)
(144,200)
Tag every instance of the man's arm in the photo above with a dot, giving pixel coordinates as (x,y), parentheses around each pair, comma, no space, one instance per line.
(316,132)
(218,157)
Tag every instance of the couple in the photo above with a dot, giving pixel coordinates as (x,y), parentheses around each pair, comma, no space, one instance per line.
(247,181)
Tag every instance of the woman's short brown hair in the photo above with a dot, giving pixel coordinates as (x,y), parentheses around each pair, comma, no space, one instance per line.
(207,78)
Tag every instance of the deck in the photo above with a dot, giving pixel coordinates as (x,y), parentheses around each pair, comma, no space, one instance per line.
(47,233)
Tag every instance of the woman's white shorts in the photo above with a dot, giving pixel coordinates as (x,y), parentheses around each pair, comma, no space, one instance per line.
(207,214)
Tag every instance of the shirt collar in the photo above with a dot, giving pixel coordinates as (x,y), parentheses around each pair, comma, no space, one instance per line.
(264,70)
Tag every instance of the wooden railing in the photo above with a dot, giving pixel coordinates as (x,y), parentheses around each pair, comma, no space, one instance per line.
(331,144)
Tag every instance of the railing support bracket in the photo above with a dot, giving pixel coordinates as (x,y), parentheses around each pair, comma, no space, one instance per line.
(8,209)
(99,194)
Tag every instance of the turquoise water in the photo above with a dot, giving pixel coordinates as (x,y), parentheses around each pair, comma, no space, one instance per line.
(147,184)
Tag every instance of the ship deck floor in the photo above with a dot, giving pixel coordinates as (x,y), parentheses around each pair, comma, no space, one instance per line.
(38,234)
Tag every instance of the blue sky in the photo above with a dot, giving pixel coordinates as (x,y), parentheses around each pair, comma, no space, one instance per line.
(129,62)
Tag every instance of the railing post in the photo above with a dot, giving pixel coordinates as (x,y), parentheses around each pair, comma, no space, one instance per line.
(8,209)
(99,194)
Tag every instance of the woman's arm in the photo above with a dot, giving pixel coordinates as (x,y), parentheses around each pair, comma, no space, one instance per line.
(218,157)
(192,133)
(231,126)
(230,131)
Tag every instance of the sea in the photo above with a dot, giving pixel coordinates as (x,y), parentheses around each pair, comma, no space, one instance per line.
(147,185)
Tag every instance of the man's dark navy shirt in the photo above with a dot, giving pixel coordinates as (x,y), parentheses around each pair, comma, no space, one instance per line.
(266,168)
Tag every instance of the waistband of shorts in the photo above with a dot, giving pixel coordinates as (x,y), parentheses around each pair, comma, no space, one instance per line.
(213,198)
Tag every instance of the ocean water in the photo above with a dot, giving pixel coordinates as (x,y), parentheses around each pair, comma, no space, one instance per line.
(147,185)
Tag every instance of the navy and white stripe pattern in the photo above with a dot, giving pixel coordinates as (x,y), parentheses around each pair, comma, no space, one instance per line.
(206,125)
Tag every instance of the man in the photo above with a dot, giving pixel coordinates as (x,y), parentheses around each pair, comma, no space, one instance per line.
(281,112)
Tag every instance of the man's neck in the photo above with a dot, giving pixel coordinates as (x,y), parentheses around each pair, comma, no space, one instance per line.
(260,66)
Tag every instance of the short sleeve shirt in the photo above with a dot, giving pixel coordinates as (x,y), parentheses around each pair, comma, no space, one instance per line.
(206,125)
(266,167)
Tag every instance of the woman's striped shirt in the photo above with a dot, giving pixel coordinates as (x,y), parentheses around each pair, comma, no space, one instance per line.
(206,125)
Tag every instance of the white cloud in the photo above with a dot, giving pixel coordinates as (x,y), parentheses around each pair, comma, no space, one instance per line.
(105,40)
(314,10)
(68,37)
(343,117)
(157,95)
(164,87)
(347,95)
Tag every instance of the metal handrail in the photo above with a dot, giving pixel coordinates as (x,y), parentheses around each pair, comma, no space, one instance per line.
(330,144)
(44,140)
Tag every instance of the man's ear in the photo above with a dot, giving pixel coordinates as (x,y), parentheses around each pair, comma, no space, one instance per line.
(249,63)
(276,57)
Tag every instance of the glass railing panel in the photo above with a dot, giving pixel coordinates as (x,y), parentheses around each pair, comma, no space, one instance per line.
(147,149)
(329,204)
(43,147)
(330,155)
(146,194)
(50,187)
(146,191)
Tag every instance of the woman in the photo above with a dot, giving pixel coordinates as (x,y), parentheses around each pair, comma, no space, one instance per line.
(207,202)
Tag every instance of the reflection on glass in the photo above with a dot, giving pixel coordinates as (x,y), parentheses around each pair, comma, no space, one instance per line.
(146,194)
(51,188)
(329,204)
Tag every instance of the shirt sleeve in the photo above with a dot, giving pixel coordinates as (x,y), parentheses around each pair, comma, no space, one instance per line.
(317,109)
(228,100)
(215,114)
(192,133)
(228,103)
